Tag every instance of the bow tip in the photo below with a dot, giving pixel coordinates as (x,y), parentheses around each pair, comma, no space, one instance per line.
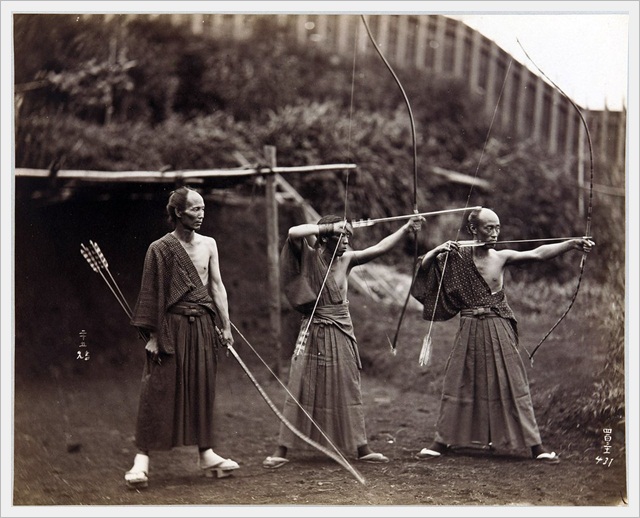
(392,345)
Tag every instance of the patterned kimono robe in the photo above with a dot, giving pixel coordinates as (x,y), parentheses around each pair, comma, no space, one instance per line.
(177,395)
(486,398)
(325,376)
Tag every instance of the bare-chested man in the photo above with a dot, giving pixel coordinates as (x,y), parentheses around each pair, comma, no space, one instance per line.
(181,297)
(486,399)
(325,368)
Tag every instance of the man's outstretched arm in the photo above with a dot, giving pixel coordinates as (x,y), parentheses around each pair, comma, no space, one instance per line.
(546,252)
(389,242)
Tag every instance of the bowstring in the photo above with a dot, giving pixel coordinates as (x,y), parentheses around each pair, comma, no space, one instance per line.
(350,155)
(350,124)
(302,338)
(486,140)
(427,340)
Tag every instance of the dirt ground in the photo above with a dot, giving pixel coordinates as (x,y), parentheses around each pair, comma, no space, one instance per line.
(74,441)
(74,420)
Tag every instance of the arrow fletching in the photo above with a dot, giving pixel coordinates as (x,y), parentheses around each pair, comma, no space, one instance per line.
(86,253)
(362,223)
(101,257)
(425,353)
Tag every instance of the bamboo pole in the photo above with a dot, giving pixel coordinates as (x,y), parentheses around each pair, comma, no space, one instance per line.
(172,176)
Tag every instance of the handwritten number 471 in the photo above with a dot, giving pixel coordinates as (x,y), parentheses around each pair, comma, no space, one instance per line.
(606,461)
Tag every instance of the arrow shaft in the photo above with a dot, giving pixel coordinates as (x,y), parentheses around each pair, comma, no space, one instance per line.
(91,258)
(482,243)
(102,263)
(369,222)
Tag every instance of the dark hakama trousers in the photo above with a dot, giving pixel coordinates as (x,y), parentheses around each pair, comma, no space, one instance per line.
(486,397)
(177,396)
(325,379)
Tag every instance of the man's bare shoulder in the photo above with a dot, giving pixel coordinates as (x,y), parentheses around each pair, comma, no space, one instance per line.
(347,259)
(208,242)
(500,256)
(205,239)
(508,255)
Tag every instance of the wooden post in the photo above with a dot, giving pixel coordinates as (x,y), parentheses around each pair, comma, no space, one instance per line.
(273,268)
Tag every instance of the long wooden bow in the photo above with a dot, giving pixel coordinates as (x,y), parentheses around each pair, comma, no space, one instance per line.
(339,457)
(587,231)
(415,174)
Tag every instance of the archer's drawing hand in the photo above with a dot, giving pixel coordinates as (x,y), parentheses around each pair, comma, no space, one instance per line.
(340,227)
(449,246)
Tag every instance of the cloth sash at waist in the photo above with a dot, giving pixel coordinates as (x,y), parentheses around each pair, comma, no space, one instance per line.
(190,310)
(334,314)
(479,313)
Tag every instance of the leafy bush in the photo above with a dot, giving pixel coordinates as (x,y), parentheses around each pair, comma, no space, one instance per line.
(603,404)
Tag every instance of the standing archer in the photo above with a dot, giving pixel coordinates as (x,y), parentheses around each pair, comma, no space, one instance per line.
(486,399)
(324,376)
(180,298)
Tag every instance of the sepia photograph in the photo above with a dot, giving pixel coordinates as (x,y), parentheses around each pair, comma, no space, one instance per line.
(349,258)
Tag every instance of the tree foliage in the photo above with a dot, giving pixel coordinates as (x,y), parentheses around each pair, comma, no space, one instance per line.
(186,101)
